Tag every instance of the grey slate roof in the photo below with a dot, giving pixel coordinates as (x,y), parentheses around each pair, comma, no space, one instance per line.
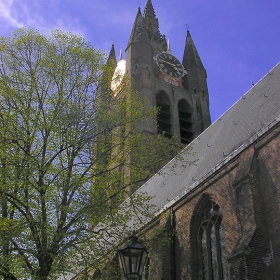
(247,119)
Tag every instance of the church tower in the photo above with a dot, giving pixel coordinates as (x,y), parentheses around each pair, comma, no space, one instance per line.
(178,89)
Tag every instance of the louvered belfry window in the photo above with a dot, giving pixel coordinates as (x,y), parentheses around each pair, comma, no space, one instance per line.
(164,118)
(185,121)
(211,243)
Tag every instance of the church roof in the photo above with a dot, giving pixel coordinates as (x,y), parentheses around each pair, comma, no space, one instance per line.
(250,117)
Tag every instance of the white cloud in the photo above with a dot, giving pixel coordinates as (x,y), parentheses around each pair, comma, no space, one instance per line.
(46,17)
(5,12)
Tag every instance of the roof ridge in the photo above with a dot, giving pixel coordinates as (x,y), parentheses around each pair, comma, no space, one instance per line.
(214,124)
(242,97)
(239,149)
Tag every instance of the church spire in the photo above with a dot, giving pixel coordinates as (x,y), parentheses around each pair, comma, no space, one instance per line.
(104,91)
(151,22)
(112,57)
(196,81)
(149,10)
(138,32)
(191,57)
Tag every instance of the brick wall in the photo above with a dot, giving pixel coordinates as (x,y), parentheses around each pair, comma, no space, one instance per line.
(247,189)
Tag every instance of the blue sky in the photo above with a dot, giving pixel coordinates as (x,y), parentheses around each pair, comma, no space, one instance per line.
(238,40)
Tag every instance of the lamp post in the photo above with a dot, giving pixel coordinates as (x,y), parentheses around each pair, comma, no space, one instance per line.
(133,258)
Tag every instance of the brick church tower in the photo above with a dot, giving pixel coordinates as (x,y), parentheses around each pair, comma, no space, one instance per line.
(178,88)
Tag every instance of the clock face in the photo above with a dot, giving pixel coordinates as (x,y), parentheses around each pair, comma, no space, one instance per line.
(170,65)
(118,75)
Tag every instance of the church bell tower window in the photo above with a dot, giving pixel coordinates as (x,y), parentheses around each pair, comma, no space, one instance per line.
(185,121)
(164,115)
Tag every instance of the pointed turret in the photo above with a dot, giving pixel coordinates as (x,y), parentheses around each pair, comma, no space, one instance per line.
(112,57)
(151,22)
(196,77)
(195,80)
(139,50)
(111,64)
(104,90)
(138,32)
(191,56)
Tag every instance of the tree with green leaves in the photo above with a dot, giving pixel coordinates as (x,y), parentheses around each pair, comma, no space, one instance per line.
(69,154)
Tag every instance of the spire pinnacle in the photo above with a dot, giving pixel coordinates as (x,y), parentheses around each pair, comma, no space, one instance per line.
(168,46)
(120,55)
(149,10)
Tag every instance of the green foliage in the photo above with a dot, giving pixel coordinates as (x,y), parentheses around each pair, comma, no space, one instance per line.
(70,154)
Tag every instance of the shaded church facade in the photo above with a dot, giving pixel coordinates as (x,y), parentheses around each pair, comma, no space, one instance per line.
(222,197)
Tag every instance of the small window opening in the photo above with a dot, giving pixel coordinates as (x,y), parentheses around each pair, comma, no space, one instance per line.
(185,121)
(164,115)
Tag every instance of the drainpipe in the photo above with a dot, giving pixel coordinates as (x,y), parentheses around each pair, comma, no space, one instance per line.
(173,263)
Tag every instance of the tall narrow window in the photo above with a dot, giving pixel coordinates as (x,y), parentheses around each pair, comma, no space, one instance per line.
(185,121)
(164,115)
(211,243)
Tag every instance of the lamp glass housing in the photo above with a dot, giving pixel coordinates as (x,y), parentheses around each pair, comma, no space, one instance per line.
(133,258)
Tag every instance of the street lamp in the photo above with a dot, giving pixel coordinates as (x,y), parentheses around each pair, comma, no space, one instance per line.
(133,258)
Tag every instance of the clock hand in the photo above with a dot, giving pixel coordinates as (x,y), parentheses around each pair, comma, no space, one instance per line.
(171,64)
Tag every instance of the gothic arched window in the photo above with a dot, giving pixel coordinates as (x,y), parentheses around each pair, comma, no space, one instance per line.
(211,252)
(185,121)
(164,115)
